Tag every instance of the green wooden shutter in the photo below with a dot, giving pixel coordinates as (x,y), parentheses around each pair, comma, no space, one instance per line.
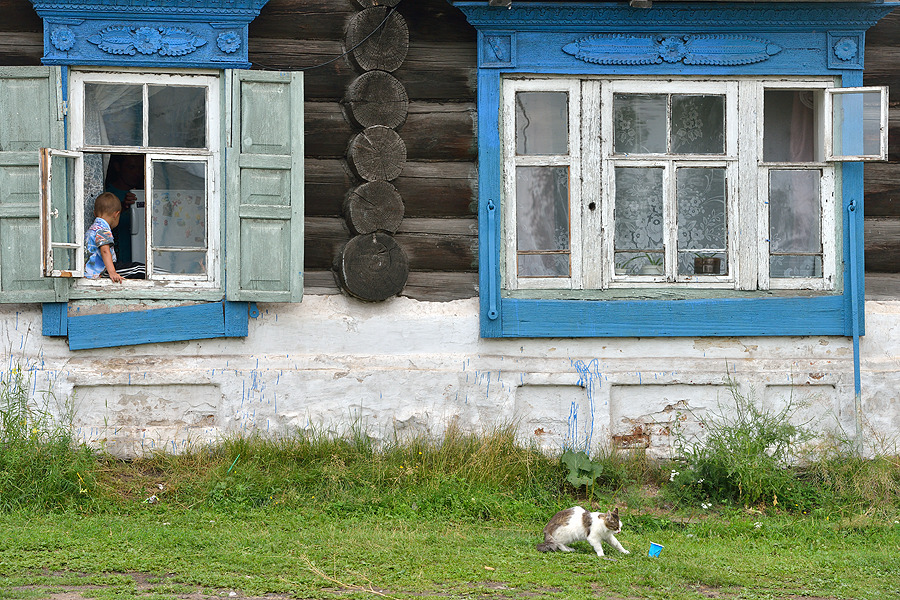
(30,118)
(264,203)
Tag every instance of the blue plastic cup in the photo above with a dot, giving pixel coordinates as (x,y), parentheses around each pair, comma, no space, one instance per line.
(655,550)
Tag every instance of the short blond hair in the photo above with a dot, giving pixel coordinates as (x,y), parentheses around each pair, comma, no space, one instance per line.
(107,204)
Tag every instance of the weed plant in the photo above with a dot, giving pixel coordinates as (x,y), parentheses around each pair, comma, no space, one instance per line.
(41,466)
(748,457)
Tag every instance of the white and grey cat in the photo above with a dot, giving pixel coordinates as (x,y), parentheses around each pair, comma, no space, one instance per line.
(576,524)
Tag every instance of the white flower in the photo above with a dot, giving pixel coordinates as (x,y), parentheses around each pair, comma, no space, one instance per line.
(704,506)
(701,480)
(673,475)
(757,525)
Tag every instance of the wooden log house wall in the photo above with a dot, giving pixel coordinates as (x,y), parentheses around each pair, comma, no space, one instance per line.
(437,183)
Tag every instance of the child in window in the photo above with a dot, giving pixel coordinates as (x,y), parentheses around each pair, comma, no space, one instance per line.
(98,243)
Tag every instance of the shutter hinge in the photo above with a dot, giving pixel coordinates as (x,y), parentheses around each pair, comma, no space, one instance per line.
(65,108)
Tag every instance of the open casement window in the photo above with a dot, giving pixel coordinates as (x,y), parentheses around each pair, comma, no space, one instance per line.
(62,227)
(858,127)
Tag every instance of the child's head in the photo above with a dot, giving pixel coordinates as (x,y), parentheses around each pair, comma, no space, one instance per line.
(108,207)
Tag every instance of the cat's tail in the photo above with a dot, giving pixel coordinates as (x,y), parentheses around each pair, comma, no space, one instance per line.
(549,546)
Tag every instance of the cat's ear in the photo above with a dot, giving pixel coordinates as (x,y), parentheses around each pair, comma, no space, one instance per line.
(615,511)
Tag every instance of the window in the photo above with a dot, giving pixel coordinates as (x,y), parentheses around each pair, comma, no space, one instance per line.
(156,137)
(628,183)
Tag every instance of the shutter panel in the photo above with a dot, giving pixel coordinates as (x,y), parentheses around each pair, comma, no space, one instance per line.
(30,118)
(264,203)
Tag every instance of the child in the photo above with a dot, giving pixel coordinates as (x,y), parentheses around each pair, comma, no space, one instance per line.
(98,242)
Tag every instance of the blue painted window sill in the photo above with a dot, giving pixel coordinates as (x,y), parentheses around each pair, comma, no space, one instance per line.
(170,324)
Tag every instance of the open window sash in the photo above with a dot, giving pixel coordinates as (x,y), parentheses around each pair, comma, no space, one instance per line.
(62,222)
(856,124)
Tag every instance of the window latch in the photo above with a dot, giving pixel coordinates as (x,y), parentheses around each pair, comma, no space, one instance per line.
(54,213)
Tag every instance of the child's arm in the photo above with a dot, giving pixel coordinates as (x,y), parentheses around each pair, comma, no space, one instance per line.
(106,255)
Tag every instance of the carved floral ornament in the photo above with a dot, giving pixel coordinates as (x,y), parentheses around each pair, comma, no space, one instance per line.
(711,49)
(846,48)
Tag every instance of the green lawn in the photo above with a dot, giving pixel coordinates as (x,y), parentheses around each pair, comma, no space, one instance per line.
(159,552)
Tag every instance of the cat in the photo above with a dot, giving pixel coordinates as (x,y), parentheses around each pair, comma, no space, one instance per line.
(576,524)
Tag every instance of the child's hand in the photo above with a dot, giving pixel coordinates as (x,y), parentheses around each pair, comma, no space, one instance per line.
(115,277)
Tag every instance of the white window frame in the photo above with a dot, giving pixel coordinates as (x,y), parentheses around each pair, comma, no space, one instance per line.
(592,192)
(210,155)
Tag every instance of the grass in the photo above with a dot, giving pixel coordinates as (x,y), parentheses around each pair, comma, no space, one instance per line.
(322,516)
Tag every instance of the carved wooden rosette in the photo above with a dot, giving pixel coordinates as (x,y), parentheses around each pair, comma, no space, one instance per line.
(372,266)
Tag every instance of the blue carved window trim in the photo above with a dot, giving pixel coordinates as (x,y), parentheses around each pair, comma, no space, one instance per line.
(693,39)
(210,34)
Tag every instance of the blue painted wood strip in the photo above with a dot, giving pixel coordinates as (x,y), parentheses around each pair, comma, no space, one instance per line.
(179,323)
(657,318)
(237,315)
(489,192)
(54,319)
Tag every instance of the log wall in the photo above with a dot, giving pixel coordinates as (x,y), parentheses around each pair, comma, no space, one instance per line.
(438,182)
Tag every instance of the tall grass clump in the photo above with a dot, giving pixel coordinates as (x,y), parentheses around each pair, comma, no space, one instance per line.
(41,465)
(458,474)
(746,458)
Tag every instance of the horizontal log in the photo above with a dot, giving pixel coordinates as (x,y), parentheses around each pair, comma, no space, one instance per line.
(439,189)
(430,286)
(19,16)
(21,48)
(432,132)
(882,243)
(452,246)
(430,72)
(880,286)
(882,190)
(303,19)
(441,287)
(431,20)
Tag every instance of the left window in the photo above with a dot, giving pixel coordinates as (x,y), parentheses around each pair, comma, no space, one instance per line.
(152,139)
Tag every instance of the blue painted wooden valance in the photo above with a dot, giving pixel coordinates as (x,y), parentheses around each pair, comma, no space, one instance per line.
(160,33)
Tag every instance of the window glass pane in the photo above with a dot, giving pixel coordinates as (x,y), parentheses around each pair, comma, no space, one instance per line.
(849,139)
(114,114)
(542,221)
(177,116)
(639,220)
(542,123)
(790,130)
(701,212)
(795,236)
(639,123)
(178,216)
(698,125)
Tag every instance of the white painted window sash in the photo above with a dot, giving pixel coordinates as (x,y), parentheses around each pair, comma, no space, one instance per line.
(827,213)
(513,161)
(670,163)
